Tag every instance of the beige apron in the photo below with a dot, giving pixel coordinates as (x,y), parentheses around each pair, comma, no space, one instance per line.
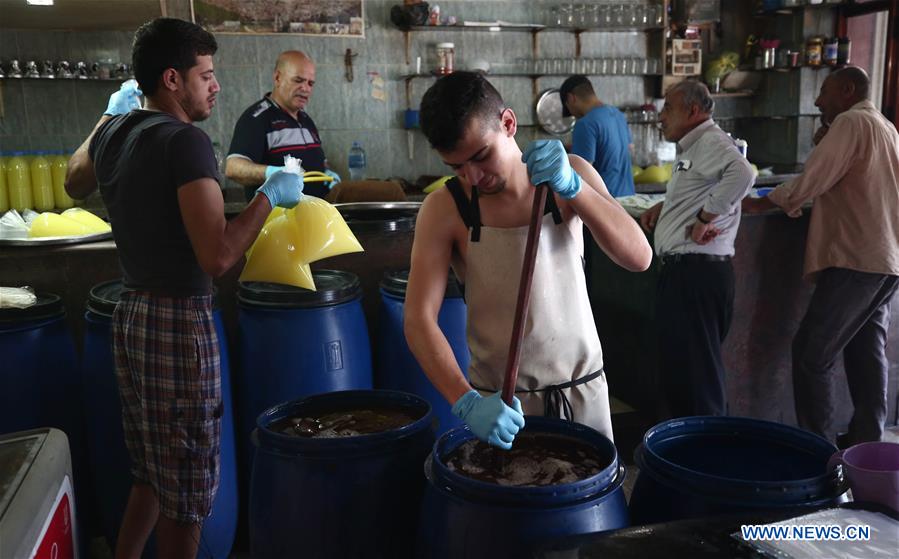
(560,342)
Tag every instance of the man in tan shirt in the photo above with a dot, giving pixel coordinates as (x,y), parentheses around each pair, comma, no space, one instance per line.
(852,253)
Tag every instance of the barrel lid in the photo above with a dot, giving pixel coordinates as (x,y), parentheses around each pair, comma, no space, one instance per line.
(47,306)
(396,282)
(380,217)
(104,297)
(333,287)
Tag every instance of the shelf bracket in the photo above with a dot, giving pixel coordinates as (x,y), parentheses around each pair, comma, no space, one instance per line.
(407,39)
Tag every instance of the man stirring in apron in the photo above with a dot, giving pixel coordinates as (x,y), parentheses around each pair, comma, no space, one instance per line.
(478,225)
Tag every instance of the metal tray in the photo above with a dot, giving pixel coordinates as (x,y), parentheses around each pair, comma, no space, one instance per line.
(53,241)
(360,206)
(549,113)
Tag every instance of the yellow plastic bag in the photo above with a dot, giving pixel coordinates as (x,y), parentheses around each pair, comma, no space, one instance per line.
(49,224)
(321,231)
(274,256)
(291,239)
(93,222)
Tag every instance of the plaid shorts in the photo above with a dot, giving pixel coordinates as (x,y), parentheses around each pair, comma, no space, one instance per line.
(169,375)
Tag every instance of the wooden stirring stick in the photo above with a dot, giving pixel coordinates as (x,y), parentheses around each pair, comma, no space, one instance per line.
(524,293)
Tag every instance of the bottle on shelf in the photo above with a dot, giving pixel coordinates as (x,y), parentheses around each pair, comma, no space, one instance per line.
(356,162)
(59,161)
(844,50)
(4,190)
(18,181)
(41,182)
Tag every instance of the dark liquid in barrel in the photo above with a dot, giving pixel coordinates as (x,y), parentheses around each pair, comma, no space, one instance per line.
(535,460)
(345,423)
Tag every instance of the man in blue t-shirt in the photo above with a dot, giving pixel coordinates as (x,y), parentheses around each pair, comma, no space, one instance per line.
(601,135)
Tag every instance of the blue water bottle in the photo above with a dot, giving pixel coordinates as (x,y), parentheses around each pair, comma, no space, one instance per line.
(356,162)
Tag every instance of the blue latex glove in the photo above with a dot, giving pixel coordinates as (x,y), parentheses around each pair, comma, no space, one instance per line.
(334,176)
(125,100)
(271,170)
(490,419)
(548,163)
(283,189)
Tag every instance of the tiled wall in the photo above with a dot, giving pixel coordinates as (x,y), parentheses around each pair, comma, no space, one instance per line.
(40,114)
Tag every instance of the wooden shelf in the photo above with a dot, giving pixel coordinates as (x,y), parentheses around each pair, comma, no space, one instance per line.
(733,94)
(790,10)
(533,76)
(9,79)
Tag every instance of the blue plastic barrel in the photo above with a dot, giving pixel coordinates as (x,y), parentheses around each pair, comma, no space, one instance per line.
(700,466)
(464,517)
(395,366)
(359,496)
(40,383)
(295,342)
(110,465)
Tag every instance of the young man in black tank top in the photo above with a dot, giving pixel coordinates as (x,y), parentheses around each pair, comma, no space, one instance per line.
(467,122)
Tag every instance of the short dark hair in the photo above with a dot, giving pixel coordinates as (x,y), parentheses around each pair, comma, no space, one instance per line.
(167,43)
(579,85)
(453,102)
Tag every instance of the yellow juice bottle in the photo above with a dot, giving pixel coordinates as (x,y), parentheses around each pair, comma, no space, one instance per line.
(18,181)
(41,182)
(58,164)
(4,190)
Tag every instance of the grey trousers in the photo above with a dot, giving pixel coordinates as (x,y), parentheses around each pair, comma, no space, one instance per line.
(850,314)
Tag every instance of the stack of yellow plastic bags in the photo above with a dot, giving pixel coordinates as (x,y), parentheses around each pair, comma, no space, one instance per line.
(72,222)
(291,239)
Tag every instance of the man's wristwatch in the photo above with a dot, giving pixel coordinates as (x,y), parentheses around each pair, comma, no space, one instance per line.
(699,217)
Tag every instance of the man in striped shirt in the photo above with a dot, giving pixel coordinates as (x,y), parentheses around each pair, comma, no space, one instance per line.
(278,125)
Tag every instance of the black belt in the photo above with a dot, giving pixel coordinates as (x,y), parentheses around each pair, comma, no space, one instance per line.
(693,257)
(555,403)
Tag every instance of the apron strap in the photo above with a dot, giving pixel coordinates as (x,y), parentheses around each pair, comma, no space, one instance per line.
(470,210)
(552,207)
(555,403)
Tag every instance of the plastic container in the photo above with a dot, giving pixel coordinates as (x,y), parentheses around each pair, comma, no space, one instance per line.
(40,379)
(356,162)
(395,366)
(59,162)
(4,189)
(41,182)
(294,343)
(340,497)
(703,466)
(108,456)
(18,181)
(37,502)
(463,517)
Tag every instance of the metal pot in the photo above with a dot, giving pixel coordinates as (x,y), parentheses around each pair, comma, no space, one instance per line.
(549,113)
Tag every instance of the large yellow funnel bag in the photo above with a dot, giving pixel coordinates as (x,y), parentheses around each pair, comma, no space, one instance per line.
(291,239)
(321,230)
(49,224)
(93,222)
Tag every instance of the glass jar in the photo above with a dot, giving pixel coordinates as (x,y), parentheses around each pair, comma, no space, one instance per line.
(844,48)
(813,51)
(829,52)
(446,54)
